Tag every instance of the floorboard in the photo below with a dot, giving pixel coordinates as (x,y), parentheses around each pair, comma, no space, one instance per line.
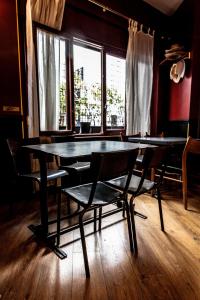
(167,265)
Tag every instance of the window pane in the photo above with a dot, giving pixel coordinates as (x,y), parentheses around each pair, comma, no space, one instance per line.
(87,86)
(62,87)
(115,91)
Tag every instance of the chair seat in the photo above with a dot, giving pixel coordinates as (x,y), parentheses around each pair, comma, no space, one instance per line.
(51,175)
(104,194)
(173,170)
(134,183)
(78,166)
(139,158)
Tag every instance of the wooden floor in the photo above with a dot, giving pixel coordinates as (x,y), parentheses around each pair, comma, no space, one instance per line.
(167,265)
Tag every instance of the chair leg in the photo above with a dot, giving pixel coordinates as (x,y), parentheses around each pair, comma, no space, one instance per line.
(152,178)
(68,206)
(184,191)
(124,211)
(95,220)
(100,217)
(55,189)
(160,210)
(133,223)
(58,218)
(87,271)
(129,225)
(124,208)
(184,180)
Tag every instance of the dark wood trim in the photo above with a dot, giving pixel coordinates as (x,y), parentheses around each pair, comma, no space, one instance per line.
(70,86)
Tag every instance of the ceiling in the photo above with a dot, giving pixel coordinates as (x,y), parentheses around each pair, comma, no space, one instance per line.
(168,7)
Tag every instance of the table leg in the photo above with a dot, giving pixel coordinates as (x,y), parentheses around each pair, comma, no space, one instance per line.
(42,230)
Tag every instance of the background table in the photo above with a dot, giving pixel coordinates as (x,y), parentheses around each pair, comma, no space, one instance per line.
(171,141)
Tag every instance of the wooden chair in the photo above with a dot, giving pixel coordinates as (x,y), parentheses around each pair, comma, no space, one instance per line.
(21,166)
(192,147)
(124,137)
(153,158)
(172,171)
(180,174)
(95,195)
(159,135)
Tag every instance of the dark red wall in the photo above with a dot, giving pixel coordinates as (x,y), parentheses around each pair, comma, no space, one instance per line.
(179,99)
(195,90)
(9,65)
(103,29)
(10,99)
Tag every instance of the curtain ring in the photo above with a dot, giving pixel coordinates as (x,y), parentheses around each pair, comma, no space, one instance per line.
(135,25)
(129,23)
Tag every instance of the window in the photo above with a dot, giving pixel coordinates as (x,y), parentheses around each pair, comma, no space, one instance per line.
(87,85)
(92,102)
(115,91)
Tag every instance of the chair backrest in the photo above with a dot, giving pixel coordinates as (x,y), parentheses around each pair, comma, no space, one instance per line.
(192,146)
(31,141)
(158,135)
(124,137)
(155,158)
(159,156)
(109,165)
(62,138)
(176,128)
(20,160)
(13,147)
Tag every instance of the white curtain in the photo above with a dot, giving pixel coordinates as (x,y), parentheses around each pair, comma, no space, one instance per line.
(139,80)
(49,13)
(49,80)
(33,116)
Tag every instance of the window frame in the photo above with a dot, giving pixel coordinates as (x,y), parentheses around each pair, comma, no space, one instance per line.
(69,97)
(94,47)
(119,128)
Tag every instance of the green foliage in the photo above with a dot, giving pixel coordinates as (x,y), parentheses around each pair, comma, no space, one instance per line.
(62,98)
(113,97)
(88,101)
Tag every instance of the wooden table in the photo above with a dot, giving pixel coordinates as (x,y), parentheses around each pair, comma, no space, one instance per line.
(67,150)
(165,141)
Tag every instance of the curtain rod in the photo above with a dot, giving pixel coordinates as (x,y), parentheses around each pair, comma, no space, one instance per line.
(106,8)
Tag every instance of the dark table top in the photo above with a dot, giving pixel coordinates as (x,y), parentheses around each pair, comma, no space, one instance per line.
(84,148)
(69,150)
(158,140)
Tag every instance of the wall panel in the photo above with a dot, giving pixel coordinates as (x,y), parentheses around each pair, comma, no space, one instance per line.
(10,94)
(179,100)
